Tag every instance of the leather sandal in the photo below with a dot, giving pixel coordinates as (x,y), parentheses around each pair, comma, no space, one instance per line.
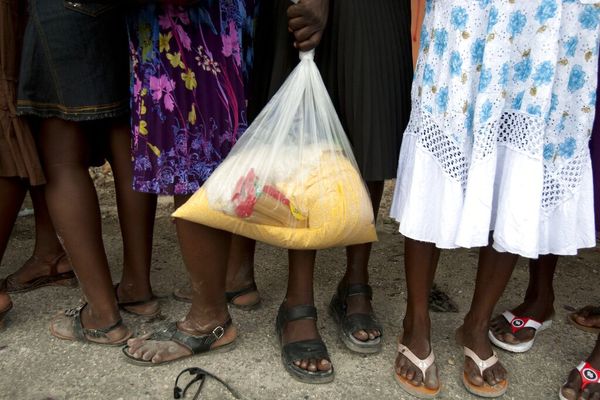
(484,390)
(349,324)
(197,345)
(184,295)
(421,391)
(127,306)
(303,349)
(81,334)
(67,279)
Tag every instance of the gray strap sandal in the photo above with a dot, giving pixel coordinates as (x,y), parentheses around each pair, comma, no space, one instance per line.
(197,345)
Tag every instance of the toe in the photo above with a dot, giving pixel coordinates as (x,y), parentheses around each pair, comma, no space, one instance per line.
(473,373)
(431,378)
(304,364)
(410,374)
(361,335)
(324,365)
(417,380)
(312,365)
(488,377)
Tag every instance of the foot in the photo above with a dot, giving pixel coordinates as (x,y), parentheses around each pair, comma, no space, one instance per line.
(136,301)
(420,346)
(249,299)
(38,267)
(305,329)
(79,324)
(160,352)
(572,390)
(588,316)
(536,310)
(475,338)
(360,305)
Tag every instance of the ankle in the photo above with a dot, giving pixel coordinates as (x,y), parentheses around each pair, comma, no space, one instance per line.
(417,325)
(475,325)
(205,323)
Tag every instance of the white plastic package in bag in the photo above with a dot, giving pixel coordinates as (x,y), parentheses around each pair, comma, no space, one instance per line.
(291,180)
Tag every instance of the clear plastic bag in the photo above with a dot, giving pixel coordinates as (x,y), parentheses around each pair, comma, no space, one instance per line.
(291,180)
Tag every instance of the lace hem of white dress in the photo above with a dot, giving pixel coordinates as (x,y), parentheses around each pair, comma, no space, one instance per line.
(454,199)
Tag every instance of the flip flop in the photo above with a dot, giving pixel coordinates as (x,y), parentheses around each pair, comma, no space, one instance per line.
(589,375)
(196,344)
(517,324)
(590,329)
(421,391)
(81,334)
(485,390)
(67,279)
(348,324)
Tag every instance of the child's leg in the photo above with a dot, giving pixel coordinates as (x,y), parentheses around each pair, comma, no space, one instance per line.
(420,259)
(136,217)
(300,292)
(205,252)
(493,274)
(357,269)
(74,209)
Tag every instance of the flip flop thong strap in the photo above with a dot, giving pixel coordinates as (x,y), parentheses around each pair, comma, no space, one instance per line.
(518,323)
(481,364)
(589,375)
(423,365)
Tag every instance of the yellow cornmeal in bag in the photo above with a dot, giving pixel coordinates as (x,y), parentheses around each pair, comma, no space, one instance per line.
(338,207)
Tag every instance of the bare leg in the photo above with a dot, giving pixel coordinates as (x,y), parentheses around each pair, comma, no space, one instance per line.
(357,269)
(48,255)
(74,209)
(538,303)
(12,193)
(300,292)
(493,274)
(572,389)
(240,270)
(205,252)
(420,259)
(136,217)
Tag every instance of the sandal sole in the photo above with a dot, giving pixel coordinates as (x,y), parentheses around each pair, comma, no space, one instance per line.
(485,391)
(420,392)
(354,345)
(521,347)
(141,363)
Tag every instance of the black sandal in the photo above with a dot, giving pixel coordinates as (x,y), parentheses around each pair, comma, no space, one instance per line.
(181,295)
(304,349)
(196,344)
(126,305)
(231,296)
(349,324)
(81,334)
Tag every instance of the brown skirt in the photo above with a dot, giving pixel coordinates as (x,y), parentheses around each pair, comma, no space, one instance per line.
(18,153)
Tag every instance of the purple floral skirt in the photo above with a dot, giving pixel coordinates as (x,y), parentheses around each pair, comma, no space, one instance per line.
(187,93)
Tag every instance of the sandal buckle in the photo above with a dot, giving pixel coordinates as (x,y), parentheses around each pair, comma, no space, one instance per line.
(218,332)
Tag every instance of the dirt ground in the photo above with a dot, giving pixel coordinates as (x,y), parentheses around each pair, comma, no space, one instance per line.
(34,365)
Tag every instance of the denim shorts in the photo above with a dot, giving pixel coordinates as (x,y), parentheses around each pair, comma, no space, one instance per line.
(75,61)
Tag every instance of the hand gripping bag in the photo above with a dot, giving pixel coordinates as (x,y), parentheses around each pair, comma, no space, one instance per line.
(291,180)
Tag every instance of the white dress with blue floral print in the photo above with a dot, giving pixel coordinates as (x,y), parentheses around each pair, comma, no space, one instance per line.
(503,106)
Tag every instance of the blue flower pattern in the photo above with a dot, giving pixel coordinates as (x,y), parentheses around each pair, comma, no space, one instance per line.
(479,64)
